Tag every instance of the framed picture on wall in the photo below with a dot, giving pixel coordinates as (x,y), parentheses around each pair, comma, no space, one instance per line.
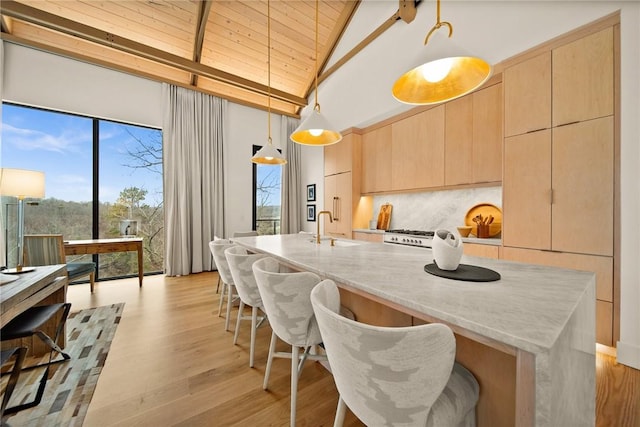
(311,193)
(311,212)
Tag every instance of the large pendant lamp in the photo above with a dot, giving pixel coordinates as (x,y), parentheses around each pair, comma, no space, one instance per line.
(315,130)
(268,154)
(447,72)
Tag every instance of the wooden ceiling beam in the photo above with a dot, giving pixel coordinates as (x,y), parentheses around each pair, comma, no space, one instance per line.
(29,14)
(203,16)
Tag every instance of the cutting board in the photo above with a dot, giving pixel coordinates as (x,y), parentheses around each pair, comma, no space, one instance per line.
(384,217)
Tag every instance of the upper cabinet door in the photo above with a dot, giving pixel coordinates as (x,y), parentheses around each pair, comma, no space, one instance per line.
(527,95)
(458,155)
(487,134)
(338,157)
(376,160)
(583,84)
(417,151)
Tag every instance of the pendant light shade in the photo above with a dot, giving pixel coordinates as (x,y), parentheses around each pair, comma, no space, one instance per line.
(268,154)
(315,129)
(444,72)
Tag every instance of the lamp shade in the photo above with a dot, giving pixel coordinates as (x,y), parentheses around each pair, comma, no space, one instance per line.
(315,130)
(268,155)
(21,183)
(443,72)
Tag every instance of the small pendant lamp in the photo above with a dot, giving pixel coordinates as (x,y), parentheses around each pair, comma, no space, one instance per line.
(315,130)
(447,72)
(268,154)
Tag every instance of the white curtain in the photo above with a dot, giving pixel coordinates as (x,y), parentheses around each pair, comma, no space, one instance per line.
(291,180)
(193,125)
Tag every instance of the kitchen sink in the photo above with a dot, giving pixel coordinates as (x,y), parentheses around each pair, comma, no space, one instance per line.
(336,242)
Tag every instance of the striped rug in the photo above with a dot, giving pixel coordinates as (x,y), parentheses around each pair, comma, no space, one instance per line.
(71,384)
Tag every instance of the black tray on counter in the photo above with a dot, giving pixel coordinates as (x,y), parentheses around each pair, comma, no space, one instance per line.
(464,272)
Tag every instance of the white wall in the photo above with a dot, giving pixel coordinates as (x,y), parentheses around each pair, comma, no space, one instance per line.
(359,94)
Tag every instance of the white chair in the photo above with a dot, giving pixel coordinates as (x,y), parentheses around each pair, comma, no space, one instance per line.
(394,376)
(217,248)
(240,262)
(285,296)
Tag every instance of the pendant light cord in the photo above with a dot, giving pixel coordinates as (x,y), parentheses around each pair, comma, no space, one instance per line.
(438,24)
(317,106)
(269,69)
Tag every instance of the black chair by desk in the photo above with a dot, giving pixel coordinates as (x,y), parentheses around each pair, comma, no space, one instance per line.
(27,324)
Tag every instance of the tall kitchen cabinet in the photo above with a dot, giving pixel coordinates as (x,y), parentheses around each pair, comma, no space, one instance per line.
(342,170)
(559,163)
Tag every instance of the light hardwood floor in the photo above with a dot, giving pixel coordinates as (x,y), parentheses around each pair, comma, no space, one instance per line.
(172,363)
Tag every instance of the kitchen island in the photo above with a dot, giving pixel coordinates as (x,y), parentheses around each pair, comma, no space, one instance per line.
(529,338)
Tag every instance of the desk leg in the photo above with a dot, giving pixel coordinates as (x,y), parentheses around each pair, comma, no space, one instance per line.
(140,265)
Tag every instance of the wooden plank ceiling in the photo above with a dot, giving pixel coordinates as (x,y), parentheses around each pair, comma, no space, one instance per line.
(216,46)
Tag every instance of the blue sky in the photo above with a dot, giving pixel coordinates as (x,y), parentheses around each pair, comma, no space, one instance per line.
(60,145)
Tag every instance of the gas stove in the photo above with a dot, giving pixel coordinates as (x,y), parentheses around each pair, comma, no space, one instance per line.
(418,238)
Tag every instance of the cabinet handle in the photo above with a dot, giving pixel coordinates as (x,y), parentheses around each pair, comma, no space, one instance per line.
(336,208)
(535,130)
(551,196)
(567,124)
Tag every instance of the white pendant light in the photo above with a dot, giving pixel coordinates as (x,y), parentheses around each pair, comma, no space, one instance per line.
(268,154)
(315,129)
(445,72)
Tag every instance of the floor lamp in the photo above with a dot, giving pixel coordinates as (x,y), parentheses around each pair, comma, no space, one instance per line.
(21,183)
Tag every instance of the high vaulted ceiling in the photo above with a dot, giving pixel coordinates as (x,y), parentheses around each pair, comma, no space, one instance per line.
(216,46)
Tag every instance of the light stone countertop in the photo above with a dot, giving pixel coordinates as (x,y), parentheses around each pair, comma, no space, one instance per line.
(528,308)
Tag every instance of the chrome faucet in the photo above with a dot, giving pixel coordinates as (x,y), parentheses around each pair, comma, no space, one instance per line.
(318,223)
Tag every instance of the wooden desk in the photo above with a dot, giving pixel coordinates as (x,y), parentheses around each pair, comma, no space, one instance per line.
(106,246)
(44,285)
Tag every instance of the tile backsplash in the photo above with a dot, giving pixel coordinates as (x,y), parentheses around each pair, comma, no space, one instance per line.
(435,209)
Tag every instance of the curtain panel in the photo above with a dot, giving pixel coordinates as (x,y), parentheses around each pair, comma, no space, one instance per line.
(193,134)
(291,191)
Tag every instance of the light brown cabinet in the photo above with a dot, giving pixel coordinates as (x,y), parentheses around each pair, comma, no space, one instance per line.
(527,95)
(481,250)
(526,191)
(368,237)
(376,160)
(487,134)
(338,200)
(601,266)
(338,157)
(342,184)
(559,166)
(417,150)
(583,187)
(583,82)
(458,154)
(473,138)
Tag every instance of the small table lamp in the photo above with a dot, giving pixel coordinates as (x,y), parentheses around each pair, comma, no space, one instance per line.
(21,183)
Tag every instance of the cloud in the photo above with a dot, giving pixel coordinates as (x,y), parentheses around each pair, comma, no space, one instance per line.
(70,141)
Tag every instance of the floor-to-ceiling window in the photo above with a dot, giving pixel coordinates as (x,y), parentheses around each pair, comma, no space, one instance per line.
(267,182)
(100,177)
